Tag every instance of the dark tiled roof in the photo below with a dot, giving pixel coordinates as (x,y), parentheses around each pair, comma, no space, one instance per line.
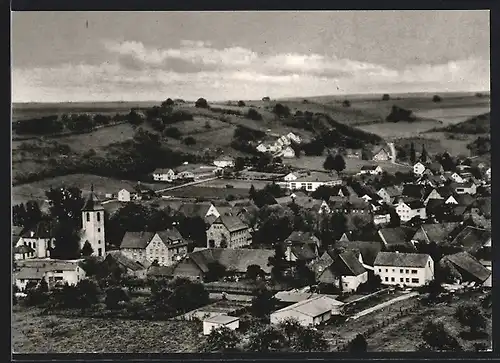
(369,167)
(92,203)
(231,223)
(465,199)
(471,238)
(415,204)
(302,237)
(348,264)
(393,191)
(436,232)
(119,258)
(194,209)
(466,262)
(445,191)
(413,191)
(136,239)
(170,235)
(397,235)
(368,249)
(304,252)
(401,259)
(161,271)
(435,167)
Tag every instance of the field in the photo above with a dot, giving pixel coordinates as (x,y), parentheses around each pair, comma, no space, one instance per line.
(32,333)
(204,192)
(393,130)
(102,185)
(352,165)
(238,184)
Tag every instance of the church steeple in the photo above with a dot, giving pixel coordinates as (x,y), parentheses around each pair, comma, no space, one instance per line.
(92,202)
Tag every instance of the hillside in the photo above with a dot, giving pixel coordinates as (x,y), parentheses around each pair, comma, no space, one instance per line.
(475,125)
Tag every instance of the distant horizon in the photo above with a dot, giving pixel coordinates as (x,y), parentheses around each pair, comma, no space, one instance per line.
(485,92)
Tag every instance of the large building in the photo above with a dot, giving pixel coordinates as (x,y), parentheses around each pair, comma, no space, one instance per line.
(312,181)
(228,232)
(404,269)
(93,225)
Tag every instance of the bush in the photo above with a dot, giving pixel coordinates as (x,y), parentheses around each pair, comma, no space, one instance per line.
(115,296)
(346,103)
(252,114)
(189,141)
(436,98)
(167,103)
(201,103)
(172,132)
(386,97)
(241,104)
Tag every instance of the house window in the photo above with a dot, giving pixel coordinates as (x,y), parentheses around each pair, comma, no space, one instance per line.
(98,229)
(379,270)
(401,279)
(98,217)
(386,279)
(88,217)
(407,271)
(99,242)
(415,281)
(392,270)
(392,279)
(401,271)
(99,251)
(386,270)
(407,279)
(413,271)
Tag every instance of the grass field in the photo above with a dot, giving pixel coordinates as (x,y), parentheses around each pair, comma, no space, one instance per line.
(392,130)
(238,184)
(196,191)
(102,185)
(32,333)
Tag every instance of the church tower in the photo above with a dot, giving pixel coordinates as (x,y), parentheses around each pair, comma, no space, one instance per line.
(93,225)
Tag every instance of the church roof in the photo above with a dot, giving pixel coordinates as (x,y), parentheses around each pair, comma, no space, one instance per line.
(92,203)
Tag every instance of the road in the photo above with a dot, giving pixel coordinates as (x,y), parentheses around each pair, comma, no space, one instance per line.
(383,305)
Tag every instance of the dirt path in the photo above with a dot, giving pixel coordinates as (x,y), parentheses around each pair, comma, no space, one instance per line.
(383,305)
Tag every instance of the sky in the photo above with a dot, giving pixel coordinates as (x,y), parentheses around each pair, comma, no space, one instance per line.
(142,56)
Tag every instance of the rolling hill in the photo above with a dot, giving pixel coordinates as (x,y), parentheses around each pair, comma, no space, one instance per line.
(475,125)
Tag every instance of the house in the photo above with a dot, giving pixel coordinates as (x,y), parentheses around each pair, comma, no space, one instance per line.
(312,181)
(407,269)
(467,187)
(313,311)
(301,246)
(410,209)
(382,154)
(370,169)
(235,260)
(287,152)
(228,232)
(468,268)
(488,174)
(262,147)
(396,236)
(290,177)
(351,205)
(381,218)
(452,199)
(218,321)
(389,194)
(366,251)
(344,271)
(165,247)
(419,168)
(166,175)
(23,252)
(202,210)
(124,195)
(160,272)
(294,138)
(224,162)
(195,171)
(54,272)
(455,177)
(354,153)
(93,232)
(472,239)
(40,238)
(431,194)
(127,265)
(435,233)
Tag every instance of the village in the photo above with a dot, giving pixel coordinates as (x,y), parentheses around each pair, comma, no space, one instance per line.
(308,249)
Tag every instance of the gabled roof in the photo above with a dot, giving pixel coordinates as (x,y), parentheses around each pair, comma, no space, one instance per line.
(471,238)
(436,232)
(435,167)
(138,240)
(210,219)
(49,264)
(393,191)
(160,271)
(465,199)
(368,249)
(194,209)
(314,306)
(92,203)
(304,252)
(445,191)
(465,262)
(119,258)
(232,223)
(348,264)
(434,204)
(163,171)
(398,259)
(369,167)
(415,204)
(43,229)
(396,235)
(169,235)
(413,190)
(300,237)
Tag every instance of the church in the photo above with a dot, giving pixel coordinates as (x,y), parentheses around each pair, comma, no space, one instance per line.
(93,225)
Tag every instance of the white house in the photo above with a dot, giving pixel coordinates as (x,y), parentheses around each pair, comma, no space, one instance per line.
(418,168)
(456,178)
(379,219)
(40,239)
(224,162)
(411,209)
(287,152)
(167,175)
(312,182)
(466,188)
(488,174)
(295,138)
(290,177)
(262,148)
(165,247)
(408,269)
(434,194)
(53,271)
(308,312)
(124,195)
(371,169)
(382,155)
(217,321)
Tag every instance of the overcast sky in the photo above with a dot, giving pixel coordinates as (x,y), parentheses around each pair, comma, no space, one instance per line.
(107,56)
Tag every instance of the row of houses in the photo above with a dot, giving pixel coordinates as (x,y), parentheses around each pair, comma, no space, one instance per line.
(189,172)
(280,146)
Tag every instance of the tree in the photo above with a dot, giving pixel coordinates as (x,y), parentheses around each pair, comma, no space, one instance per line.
(346,103)
(413,155)
(395,220)
(471,316)
(189,141)
(310,340)
(134,118)
(201,103)
(253,114)
(263,302)
(329,163)
(437,337)
(339,164)
(252,192)
(358,344)
(221,339)
(291,329)
(87,249)
(167,103)
(423,155)
(386,97)
(281,110)
(436,98)
(115,296)
(254,272)
(216,271)
(239,163)
(266,340)
(278,262)
(241,103)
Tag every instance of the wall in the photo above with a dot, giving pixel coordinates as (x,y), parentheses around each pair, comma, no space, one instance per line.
(422,274)
(351,283)
(93,231)
(156,250)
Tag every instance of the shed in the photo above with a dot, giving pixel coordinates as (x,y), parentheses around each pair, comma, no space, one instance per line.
(218,321)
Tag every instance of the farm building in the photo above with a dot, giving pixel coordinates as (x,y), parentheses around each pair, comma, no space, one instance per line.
(472,239)
(370,169)
(124,195)
(313,311)
(125,264)
(167,175)
(435,232)
(382,154)
(312,182)
(218,321)
(406,269)
(202,210)
(467,268)
(396,236)
(224,162)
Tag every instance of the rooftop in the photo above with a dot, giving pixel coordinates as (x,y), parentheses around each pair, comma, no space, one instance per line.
(314,306)
(221,319)
(398,259)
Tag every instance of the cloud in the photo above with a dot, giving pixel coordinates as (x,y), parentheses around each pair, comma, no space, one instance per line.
(194,69)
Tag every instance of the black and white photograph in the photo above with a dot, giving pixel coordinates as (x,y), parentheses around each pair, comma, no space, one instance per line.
(251,181)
